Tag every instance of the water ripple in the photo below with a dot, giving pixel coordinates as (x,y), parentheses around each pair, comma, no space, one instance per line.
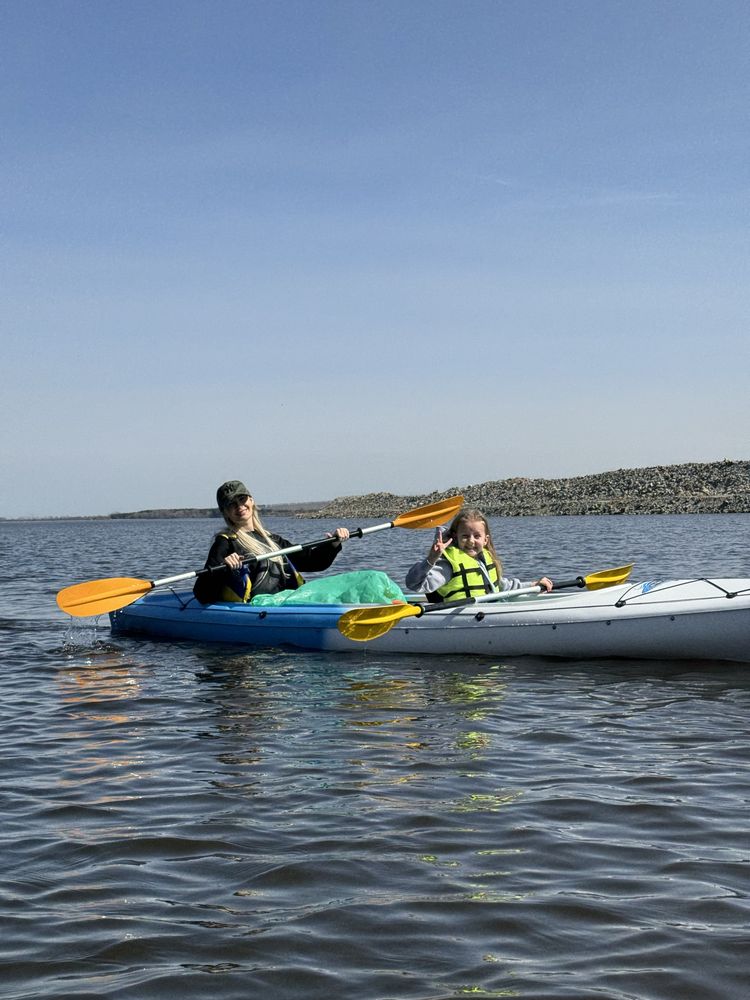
(226,824)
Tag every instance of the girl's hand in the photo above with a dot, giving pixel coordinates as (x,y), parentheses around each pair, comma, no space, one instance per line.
(438,547)
(545,582)
(233,560)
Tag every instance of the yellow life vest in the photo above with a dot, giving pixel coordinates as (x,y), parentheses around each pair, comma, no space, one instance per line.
(469,577)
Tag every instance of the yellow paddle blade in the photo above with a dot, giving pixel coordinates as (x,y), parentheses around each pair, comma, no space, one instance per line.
(363,624)
(96,597)
(431,515)
(607,577)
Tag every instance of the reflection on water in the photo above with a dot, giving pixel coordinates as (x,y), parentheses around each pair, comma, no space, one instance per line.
(225,823)
(100,675)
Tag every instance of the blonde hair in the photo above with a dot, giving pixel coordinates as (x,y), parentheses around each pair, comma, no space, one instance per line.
(470,514)
(253,545)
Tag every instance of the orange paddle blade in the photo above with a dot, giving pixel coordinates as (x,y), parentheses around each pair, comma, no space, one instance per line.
(363,624)
(96,597)
(607,577)
(432,515)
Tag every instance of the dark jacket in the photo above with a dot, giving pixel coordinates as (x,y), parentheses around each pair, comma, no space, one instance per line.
(258,577)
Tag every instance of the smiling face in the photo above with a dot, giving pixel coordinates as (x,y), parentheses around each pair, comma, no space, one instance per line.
(241,512)
(471,537)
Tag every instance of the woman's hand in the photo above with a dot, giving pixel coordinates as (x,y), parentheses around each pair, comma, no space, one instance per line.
(339,535)
(233,560)
(545,582)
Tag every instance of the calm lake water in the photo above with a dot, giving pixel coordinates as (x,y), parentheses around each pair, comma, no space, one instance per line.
(214,823)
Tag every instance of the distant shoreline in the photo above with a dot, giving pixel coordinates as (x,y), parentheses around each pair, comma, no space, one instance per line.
(308,508)
(692,488)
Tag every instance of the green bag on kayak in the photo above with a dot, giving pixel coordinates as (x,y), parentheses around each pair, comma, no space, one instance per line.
(365,586)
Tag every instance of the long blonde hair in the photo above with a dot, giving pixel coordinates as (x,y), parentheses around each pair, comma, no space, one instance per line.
(253,545)
(470,514)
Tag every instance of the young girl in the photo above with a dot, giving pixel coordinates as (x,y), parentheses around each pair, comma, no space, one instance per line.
(465,564)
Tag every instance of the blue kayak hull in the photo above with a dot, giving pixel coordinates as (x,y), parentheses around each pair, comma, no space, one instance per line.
(169,615)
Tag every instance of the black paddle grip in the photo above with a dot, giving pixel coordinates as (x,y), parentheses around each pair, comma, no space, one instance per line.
(577,582)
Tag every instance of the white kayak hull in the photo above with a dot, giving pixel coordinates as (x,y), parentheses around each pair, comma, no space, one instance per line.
(678,619)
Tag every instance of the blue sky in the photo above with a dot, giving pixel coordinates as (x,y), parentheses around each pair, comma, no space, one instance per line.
(339,247)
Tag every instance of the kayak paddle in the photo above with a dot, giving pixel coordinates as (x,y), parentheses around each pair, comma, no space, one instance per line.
(363,624)
(96,597)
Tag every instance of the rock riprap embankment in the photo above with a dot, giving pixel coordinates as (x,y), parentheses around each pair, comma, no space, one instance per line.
(694,488)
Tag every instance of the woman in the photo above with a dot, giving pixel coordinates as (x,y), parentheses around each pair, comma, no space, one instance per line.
(465,564)
(245,535)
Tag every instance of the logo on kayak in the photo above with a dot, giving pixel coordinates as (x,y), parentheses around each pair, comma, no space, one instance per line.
(645,587)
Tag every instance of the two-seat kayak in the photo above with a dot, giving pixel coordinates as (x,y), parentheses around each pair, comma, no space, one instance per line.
(703,619)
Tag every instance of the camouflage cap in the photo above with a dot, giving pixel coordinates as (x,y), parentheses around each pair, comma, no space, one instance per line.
(229,491)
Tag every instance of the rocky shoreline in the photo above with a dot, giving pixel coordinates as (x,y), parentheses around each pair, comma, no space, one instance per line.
(693,488)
